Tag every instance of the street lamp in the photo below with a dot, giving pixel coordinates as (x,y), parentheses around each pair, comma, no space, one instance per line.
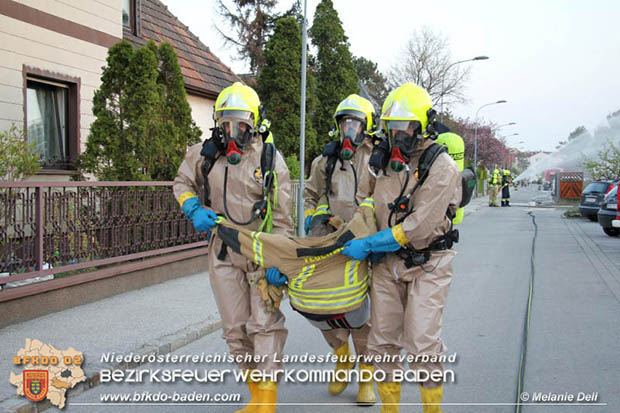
(506,124)
(446,72)
(476,134)
(508,136)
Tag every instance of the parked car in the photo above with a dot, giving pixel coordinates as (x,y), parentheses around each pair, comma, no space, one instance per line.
(608,212)
(592,196)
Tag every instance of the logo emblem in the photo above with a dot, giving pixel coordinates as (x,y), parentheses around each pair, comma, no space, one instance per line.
(36,384)
(258,176)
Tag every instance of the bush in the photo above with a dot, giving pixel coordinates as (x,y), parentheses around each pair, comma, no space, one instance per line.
(18,158)
(293,166)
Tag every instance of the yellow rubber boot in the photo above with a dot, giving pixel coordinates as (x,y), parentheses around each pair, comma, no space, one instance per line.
(343,363)
(433,396)
(390,396)
(366,394)
(251,406)
(267,397)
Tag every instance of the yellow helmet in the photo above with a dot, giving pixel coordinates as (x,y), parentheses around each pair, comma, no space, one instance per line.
(408,102)
(238,101)
(354,120)
(358,107)
(455,145)
(404,118)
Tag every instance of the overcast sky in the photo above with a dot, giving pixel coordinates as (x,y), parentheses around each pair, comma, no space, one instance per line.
(556,62)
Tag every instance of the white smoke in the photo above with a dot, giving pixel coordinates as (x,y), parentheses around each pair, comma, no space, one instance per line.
(571,156)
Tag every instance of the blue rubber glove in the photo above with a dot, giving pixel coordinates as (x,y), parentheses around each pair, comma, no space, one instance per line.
(307,223)
(202,218)
(382,241)
(358,249)
(274,277)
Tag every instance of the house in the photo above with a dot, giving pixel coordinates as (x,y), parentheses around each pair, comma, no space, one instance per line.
(538,156)
(52,56)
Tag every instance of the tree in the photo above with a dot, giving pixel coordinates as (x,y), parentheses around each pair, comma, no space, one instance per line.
(142,144)
(491,151)
(372,79)
(179,129)
(293,166)
(335,72)
(253,22)
(295,11)
(608,164)
(110,129)
(18,158)
(279,86)
(426,61)
(143,121)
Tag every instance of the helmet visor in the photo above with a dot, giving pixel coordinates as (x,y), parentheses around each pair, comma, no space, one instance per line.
(403,134)
(351,128)
(235,114)
(238,130)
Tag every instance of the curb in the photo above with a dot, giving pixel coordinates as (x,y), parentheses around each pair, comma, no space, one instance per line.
(163,345)
(475,207)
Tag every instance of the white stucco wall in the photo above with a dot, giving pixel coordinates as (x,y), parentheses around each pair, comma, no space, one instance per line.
(202,113)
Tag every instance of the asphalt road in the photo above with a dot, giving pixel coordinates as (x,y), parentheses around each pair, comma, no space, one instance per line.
(574,333)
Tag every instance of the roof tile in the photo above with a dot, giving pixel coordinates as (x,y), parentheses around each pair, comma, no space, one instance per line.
(202,70)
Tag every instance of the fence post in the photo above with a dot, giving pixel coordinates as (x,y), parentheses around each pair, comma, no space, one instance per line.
(39,222)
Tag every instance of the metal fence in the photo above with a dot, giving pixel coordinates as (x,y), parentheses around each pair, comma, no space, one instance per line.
(54,229)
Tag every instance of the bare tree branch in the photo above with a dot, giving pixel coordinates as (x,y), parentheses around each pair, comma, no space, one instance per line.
(426,60)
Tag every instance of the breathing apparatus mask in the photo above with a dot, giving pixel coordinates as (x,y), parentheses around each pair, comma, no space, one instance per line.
(351,130)
(403,138)
(236,131)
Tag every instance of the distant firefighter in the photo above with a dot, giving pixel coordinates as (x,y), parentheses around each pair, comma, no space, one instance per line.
(494,184)
(506,182)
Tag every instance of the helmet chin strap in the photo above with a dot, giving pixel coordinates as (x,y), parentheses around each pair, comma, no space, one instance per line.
(398,161)
(233,153)
(347,150)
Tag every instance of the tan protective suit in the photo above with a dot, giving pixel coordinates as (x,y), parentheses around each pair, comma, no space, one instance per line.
(494,184)
(247,327)
(341,198)
(407,304)
(341,203)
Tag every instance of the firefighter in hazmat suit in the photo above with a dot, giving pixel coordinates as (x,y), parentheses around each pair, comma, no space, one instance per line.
(235,179)
(495,180)
(341,179)
(410,283)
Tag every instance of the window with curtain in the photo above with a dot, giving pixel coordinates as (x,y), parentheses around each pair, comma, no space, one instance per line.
(129,14)
(47,122)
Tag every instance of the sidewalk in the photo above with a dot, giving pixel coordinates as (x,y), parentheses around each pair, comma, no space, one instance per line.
(156,319)
(476,204)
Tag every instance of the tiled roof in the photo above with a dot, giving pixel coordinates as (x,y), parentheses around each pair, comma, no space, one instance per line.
(204,73)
